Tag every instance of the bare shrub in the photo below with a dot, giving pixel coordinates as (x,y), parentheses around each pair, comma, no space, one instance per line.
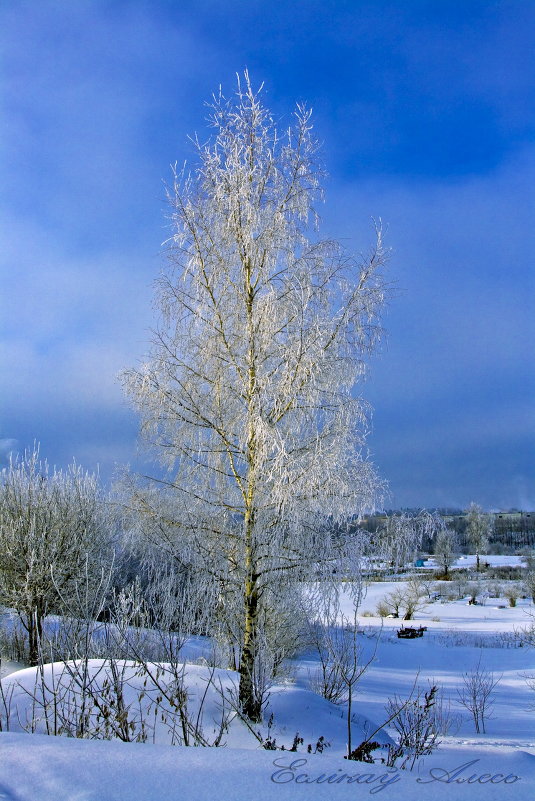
(476,694)
(473,589)
(512,593)
(404,601)
(415,590)
(341,662)
(383,609)
(419,721)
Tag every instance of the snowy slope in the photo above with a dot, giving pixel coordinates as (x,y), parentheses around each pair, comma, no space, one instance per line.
(41,768)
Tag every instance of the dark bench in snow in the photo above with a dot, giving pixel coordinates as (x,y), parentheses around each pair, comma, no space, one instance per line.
(410,633)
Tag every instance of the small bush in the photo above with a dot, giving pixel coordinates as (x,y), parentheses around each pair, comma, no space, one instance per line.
(473,591)
(512,593)
(383,610)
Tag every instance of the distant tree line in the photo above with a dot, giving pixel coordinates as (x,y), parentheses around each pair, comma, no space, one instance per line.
(512,529)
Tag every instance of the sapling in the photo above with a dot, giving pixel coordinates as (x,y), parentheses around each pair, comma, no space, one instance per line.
(476,694)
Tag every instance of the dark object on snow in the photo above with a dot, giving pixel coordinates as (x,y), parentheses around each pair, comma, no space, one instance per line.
(362,753)
(410,633)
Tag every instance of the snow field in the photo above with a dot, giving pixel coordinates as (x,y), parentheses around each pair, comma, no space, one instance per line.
(499,764)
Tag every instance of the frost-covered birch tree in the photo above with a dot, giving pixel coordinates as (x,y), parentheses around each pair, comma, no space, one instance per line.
(478,527)
(250,396)
(445,549)
(399,539)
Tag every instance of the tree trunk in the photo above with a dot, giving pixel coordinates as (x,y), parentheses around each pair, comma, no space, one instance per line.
(349,709)
(35,633)
(250,702)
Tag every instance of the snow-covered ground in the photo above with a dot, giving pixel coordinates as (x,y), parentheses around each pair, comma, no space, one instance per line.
(499,764)
(58,769)
(489,615)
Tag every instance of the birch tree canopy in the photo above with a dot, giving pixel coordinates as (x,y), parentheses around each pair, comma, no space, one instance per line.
(250,397)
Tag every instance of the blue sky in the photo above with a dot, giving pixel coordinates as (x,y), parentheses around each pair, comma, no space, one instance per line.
(426,112)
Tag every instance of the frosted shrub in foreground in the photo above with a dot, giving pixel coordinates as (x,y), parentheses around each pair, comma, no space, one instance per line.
(419,723)
(118,700)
